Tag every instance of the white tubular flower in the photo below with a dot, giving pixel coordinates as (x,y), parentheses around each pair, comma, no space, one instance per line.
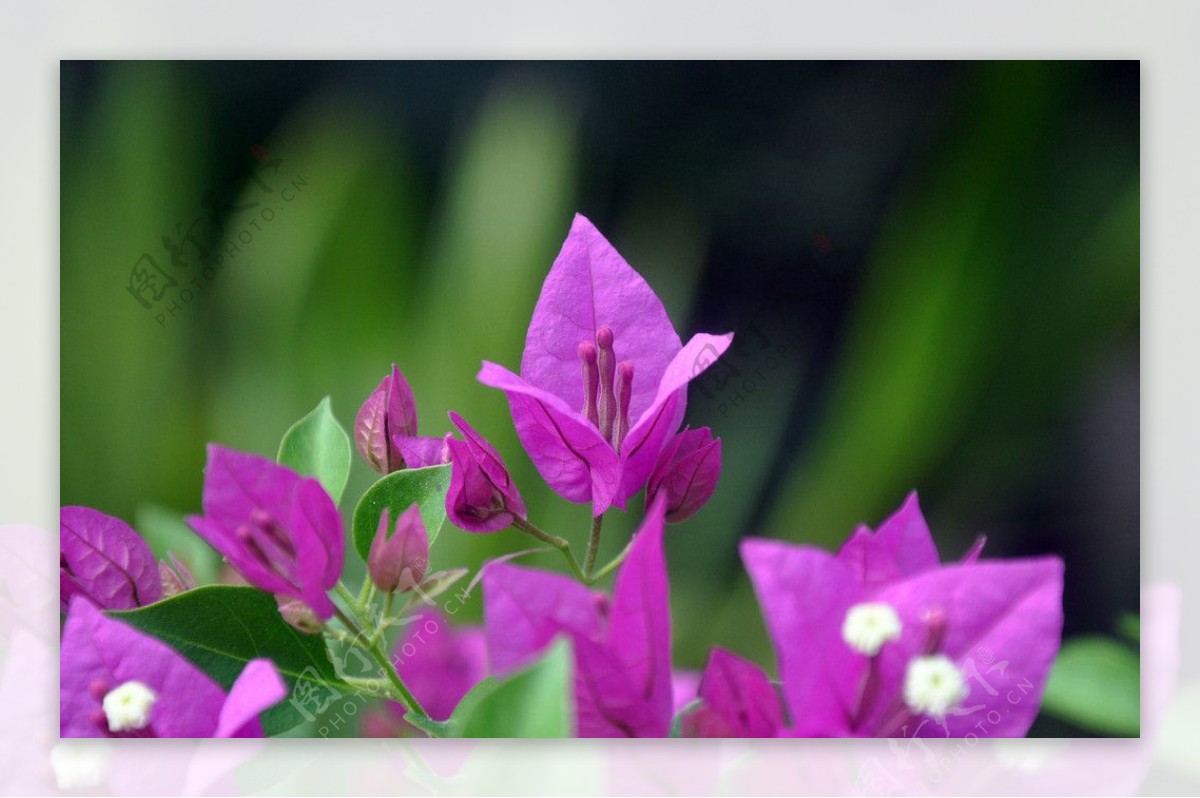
(869,625)
(128,707)
(933,686)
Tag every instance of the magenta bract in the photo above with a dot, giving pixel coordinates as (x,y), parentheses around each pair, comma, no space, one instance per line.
(385,430)
(280,530)
(882,640)
(482,495)
(686,474)
(103,559)
(603,382)
(622,645)
(399,562)
(118,682)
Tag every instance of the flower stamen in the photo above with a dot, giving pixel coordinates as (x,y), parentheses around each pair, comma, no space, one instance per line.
(933,685)
(127,708)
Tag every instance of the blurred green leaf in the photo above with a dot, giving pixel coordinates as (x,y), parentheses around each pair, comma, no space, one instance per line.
(425,487)
(1095,684)
(1129,626)
(220,628)
(167,533)
(317,446)
(534,702)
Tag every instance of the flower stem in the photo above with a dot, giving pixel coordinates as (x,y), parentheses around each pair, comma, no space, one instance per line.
(554,540)
(593,545)
(612,565)
(415,713)
(348,623)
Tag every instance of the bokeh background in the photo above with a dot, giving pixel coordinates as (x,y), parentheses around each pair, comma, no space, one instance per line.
(932,270)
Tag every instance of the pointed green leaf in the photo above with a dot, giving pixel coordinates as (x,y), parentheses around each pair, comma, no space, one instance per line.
(1096,685)
(317,446)
(220,628)
(534,702)
(397,491)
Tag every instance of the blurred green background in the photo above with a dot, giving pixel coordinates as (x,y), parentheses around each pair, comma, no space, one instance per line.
(932,270)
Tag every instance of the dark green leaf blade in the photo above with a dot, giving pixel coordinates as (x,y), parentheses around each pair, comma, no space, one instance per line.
(397,492)
(220,628)
(317,446)
(534,702)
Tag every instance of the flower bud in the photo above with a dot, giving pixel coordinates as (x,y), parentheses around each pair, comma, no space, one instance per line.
(175,576)
(687,473)
(482,496)
(298,615)
(398,563)
(388,414)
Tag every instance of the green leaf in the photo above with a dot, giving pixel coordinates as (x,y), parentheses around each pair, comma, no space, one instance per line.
(397,491)
(534,702)
(220,628)
(1095,684)
(167,532)
(317,446)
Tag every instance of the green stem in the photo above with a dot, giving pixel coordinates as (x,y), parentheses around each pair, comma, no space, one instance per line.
(553,540)
(353,627)
(612,566)
(415,713)
(593,544)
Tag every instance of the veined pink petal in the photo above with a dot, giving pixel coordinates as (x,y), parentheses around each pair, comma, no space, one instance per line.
(525,608)
(591,285)
(1003,628)
(419,451)
(104,559)
(804,594)
(640,622)
(242,491)
(740,696)
(662,417)
(902,547)
(568,452)
(99,654)
(258,688)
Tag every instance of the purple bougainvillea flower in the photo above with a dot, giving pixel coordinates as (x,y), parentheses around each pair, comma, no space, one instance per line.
(385,430)
(880,640)
(105,560)
(440,663)
(737,700)
(399,562)
(622,646)
(118,682)
(603,383)
(482,495)
(687,473)
(280,530)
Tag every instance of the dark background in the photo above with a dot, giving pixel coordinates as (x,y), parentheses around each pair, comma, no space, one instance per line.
(932,270)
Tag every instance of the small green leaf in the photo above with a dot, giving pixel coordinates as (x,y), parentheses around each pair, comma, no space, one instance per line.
(397,491)
(167,532)
(1095,684)
(220,628)
(317,446)
(534,702)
